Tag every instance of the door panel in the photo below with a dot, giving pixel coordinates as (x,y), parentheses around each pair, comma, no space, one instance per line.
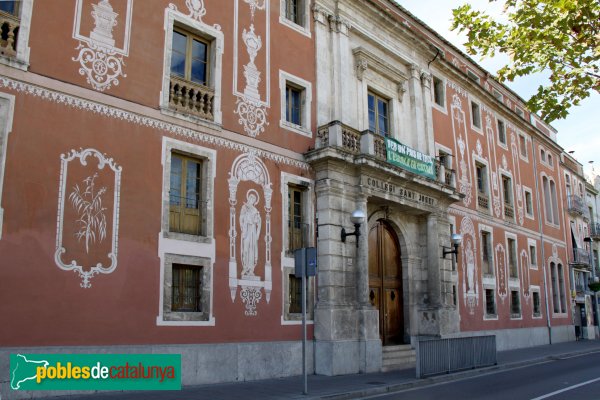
(385,282)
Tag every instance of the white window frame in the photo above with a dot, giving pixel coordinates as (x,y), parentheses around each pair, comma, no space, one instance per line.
(513,282)
(479,105)
(216,39)
(443,108)
(302,29)
(472,75)
(21,59)
(526,139)
(486,316)
(532,243)
(519,111)
(528,190)
(504,144)
(536,289)
(287,259)
(484,163)
(498,95)
(305,128)
(7,109)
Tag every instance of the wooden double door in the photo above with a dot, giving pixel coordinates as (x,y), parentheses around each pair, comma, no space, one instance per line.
(385,282)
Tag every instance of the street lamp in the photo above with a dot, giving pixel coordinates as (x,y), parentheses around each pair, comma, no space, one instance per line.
(357,218)
(455,239)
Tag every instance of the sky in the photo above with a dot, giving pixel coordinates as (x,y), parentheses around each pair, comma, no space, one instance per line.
(579,132)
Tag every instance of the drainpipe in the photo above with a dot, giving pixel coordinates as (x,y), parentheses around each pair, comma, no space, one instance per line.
(537,190)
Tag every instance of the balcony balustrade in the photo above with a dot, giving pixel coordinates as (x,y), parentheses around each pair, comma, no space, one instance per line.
(9,33)
(595,230)
(509,211)
(483,200)
(576,205)
(191,98)
(580,257)
(352,141)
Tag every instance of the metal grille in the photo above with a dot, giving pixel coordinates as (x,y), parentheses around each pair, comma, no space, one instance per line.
(442,356)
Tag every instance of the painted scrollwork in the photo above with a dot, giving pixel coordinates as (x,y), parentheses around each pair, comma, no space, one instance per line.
(253,116)
(100,66)
(91,222)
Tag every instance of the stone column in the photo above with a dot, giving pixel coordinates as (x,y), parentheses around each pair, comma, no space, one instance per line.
(433,262)
(416,106)
(362,256)
(428,140)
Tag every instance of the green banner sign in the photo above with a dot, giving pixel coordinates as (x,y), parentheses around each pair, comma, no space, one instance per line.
(409,158)
(95,371)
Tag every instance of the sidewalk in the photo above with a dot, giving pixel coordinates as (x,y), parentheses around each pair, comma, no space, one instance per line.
(348,386)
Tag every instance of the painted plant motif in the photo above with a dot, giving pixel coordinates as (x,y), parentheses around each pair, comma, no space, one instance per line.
(92,217)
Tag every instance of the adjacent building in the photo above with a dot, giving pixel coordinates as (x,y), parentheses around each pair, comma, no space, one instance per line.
(162,161)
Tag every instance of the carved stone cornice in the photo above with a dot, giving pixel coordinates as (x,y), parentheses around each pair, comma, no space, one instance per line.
(365,60)
(336,22)
(426,79)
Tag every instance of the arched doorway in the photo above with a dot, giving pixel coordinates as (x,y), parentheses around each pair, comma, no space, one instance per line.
(385,281)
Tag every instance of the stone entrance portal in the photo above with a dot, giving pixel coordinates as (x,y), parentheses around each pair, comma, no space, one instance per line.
(385,282)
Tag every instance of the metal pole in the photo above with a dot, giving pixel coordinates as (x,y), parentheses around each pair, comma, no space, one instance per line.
(305,391)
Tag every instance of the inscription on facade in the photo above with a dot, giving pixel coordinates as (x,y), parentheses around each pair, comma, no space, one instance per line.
(403,193)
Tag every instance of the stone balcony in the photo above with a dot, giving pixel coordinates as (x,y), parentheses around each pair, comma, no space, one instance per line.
(483,201)
(595,230)
(340,136)
(580,257)
(576,206)
(191,98)
(9,34)
(509,211)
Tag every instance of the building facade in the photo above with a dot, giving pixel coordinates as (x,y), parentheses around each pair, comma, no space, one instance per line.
(185,149)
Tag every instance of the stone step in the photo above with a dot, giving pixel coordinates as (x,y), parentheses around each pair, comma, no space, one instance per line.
(398,357)
(390,349)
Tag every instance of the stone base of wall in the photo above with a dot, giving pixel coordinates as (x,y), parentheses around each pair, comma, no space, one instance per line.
(200,363)
(509,339)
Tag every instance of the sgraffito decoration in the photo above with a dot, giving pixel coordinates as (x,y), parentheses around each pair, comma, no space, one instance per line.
(495,187)
(88,214)
(517,168)
(459,130)
(250,105)
(249,231)
(501,272)
(525,280)
(101,54)
(470,272)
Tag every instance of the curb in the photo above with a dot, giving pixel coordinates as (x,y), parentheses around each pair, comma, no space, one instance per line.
(417,383)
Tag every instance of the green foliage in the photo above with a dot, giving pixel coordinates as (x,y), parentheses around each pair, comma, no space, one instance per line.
(561,37)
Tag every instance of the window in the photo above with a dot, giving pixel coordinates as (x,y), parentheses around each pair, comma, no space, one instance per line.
(512,258)
(501,132)
(550,162)
(561,287)
(555,295)
(472,76)
(186,205)
(486,259)
(191,87)
(295,291)
(296,99)
(297,227)
(533,256)
(293,104)
(186,298)
(10,7)
(14,35)
(523,146)
(189,57)
(543,155)
(378,114)
(475,115)
(537,312)
(554,197)
(528,203)
(7,103)
(188,178)
(482,187)
(507,189)
(497,95)
(439,92)
(520,112)
(454,295)
(515,304)
(490,302)
(187,288)
(293,13)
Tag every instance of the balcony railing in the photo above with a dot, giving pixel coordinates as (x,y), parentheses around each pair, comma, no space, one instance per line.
(595,230)
(191,98)
(509,211)
(576,205)
(336,134)
(483,200)
(580,257)
(9,33)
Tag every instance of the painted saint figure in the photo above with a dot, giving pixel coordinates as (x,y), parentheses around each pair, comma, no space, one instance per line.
(250,222)
(470,269)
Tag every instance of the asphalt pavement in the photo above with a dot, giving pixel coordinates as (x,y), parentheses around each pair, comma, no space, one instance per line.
(396,383)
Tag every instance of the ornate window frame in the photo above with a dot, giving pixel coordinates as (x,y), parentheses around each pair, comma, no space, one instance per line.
(479,104)
(7,109)
(442,108)
(215,37)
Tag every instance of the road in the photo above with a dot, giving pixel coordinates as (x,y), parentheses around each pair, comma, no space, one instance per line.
(563,378)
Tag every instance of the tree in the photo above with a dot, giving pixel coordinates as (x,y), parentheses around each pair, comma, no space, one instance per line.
(561,37)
